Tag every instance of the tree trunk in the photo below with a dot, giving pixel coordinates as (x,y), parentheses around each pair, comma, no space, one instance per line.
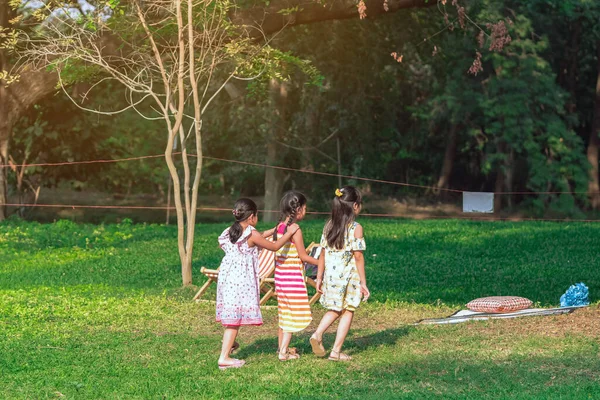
(5,129)
(5,122)
(594,145)
(568,64)
(508,177)
(8,115)
(448,164)
(499,188)
(275,178)
(311,129)
(502,167)
(186,270)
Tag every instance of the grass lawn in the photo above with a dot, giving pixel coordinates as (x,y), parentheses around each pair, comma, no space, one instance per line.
(97,312)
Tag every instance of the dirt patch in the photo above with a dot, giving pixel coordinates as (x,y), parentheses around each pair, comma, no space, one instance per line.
(402,207)
(411,208)
(585,322)
(79,206)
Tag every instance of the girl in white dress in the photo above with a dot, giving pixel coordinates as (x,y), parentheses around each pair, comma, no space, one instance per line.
(238,294)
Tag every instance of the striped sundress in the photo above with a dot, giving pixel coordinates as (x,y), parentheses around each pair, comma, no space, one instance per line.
(292,297)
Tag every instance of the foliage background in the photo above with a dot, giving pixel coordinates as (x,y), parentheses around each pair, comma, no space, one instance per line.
(520,125)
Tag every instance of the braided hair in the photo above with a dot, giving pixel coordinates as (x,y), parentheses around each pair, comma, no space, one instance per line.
(242,210)
(342,214)
(290,204)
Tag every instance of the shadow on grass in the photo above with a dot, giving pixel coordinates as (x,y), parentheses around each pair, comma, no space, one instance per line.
(387,337)
(355,342)
(527,377)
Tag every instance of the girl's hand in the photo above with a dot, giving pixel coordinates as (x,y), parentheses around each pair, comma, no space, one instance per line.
(364,290)
(320,285)
(268,233)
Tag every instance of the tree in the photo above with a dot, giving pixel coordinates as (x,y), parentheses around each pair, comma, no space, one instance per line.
(34,83)
(594,145)
(509,128)
(170,53)
(177,55)
(574,48)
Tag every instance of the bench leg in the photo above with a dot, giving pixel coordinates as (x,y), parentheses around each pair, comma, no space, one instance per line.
(314,299)
(203,289)
(267,296)
(311,282)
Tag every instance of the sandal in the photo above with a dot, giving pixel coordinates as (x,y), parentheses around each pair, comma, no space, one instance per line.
(317,347)
(340,356)
(291,350)
(235,364)
(288,356)
(235,346)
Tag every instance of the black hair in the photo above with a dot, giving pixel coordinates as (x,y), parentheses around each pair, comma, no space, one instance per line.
(242,210)
(342,214)
(291,202)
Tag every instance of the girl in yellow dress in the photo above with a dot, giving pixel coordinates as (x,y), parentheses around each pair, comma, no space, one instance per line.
(341,275)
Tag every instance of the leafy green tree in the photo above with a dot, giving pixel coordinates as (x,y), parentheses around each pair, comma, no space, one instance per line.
(512,116)
(30,84)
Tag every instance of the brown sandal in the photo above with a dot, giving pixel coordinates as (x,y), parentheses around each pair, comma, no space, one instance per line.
(291,350)
(317,347)
(340,356)
(288,356)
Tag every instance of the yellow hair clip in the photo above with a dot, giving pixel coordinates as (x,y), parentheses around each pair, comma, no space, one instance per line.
(338,193)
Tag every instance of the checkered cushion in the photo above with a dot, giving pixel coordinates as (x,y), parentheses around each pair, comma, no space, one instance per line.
(499,304)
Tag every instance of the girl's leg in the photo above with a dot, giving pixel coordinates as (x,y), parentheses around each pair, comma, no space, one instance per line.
(228,339)
(286,338)
(316,340)
(328,319)
(284,352)
(279,339)
(342,331)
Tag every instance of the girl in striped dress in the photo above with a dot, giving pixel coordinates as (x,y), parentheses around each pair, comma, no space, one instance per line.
(292,297)
(341,275)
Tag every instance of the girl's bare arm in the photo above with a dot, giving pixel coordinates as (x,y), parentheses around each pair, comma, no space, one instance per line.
(257,240)
(299,242)
(268,233)
(359,258)
(320,270)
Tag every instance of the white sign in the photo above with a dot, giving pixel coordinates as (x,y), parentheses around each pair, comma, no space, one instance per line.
(478,202)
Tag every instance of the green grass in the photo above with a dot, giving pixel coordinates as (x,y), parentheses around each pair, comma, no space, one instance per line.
(97,312)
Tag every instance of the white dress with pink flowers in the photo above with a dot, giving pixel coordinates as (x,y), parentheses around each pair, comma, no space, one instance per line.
(238,294)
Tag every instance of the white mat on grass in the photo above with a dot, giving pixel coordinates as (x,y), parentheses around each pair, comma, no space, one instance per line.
(468,315)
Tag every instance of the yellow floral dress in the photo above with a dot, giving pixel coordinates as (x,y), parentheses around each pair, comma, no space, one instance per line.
(341,283)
